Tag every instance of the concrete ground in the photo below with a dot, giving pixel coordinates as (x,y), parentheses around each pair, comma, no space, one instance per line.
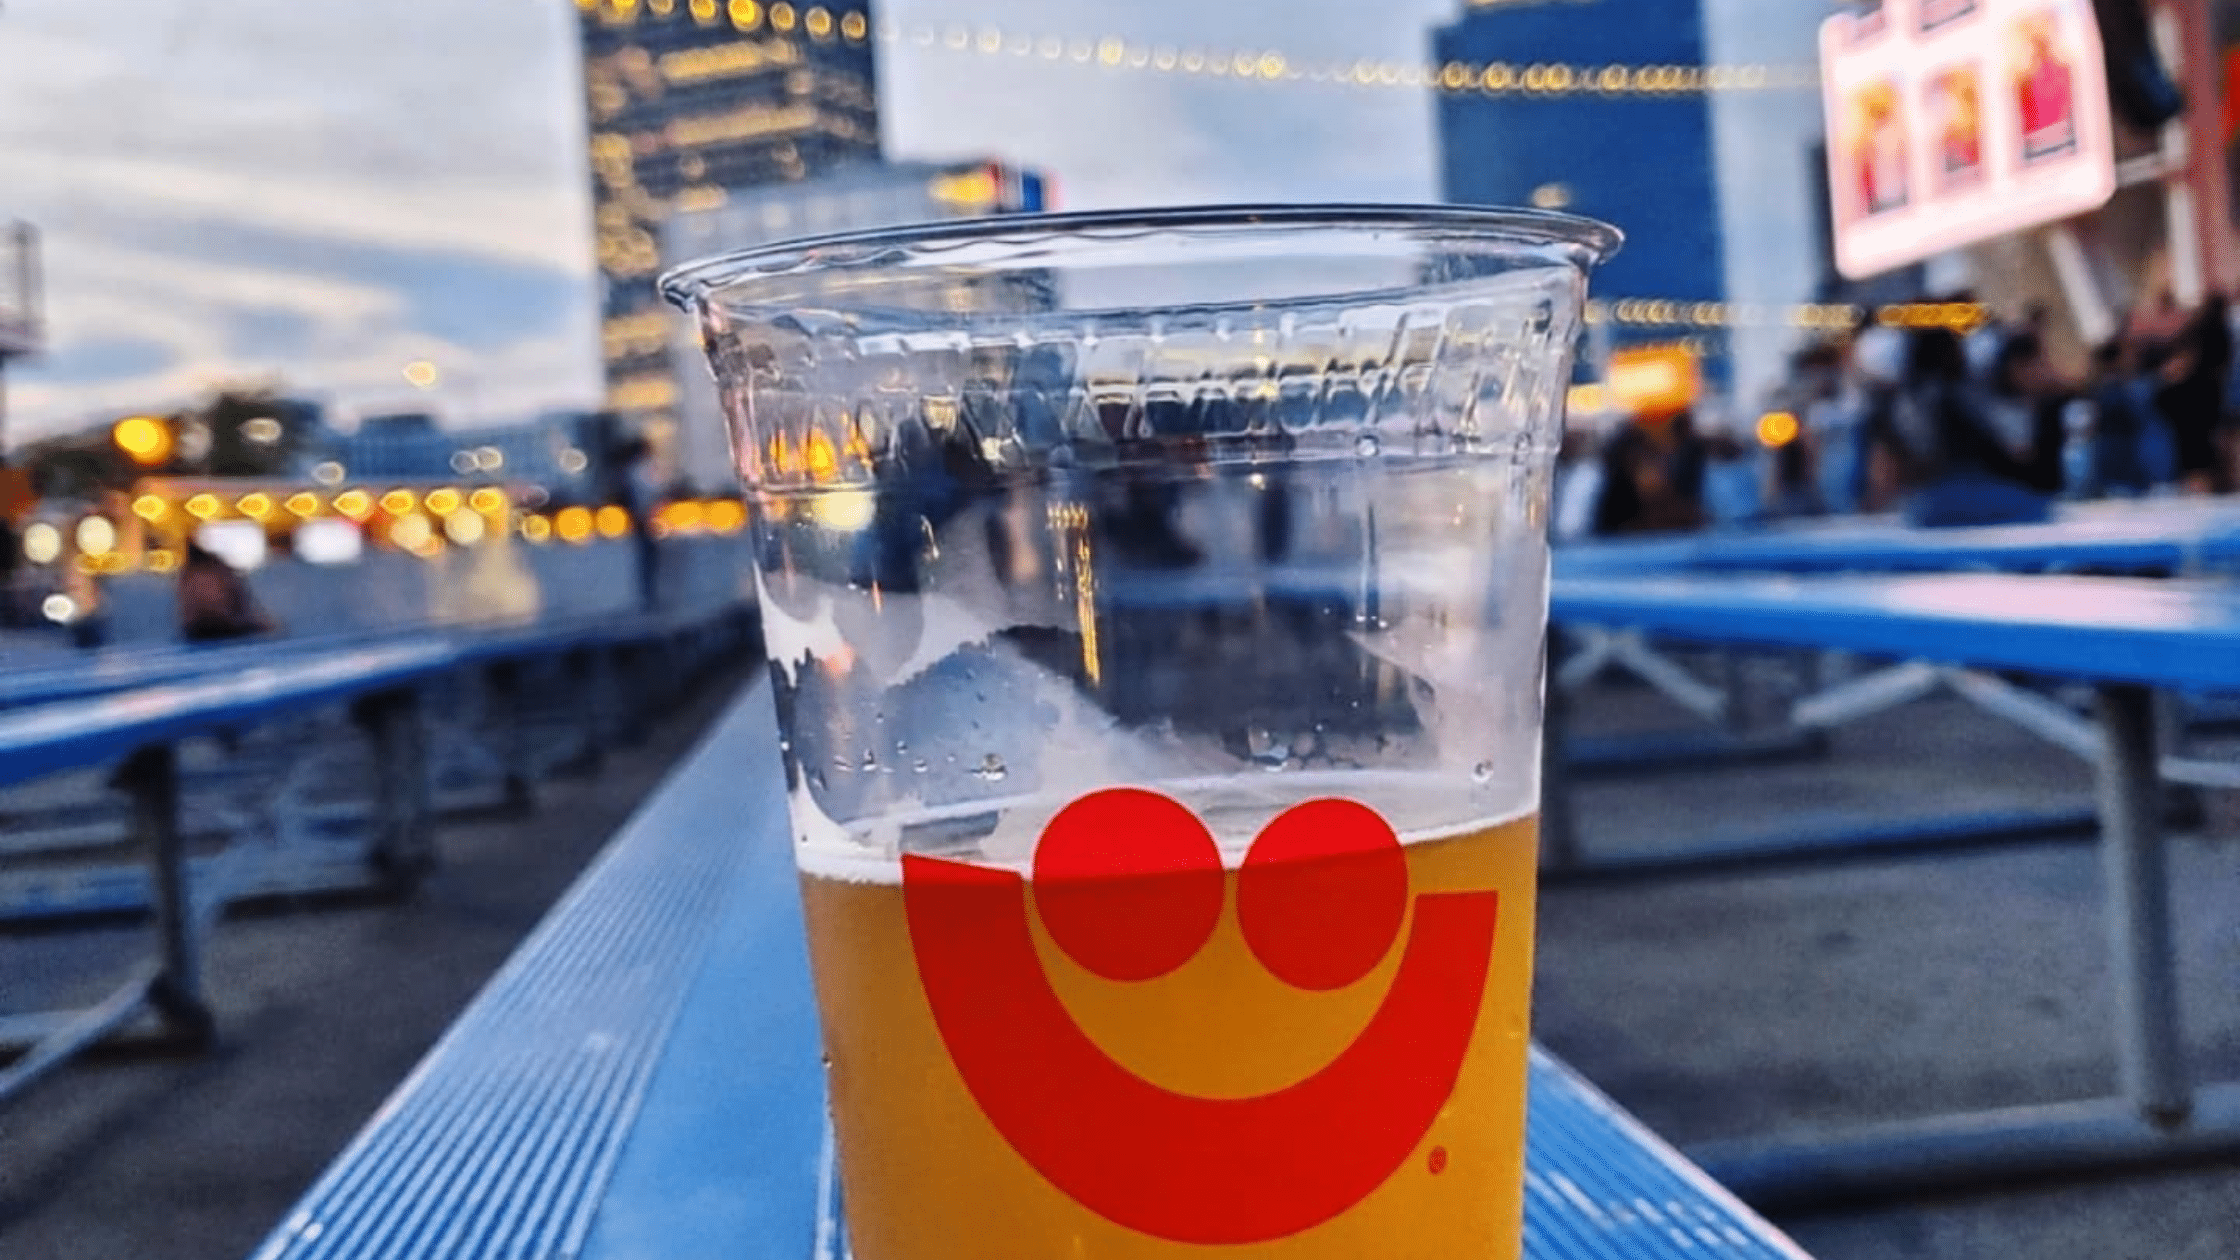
(322,1011)
(1713,1006)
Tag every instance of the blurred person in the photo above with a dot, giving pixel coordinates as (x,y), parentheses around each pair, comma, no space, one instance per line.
(1647,478)
(2190,396)
(215,603)
(2027,402)
(2122,417)
(1970,474)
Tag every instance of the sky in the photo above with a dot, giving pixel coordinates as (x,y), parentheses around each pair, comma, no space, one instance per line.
(325,192)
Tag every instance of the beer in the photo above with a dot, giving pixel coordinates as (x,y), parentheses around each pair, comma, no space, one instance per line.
(927,1175)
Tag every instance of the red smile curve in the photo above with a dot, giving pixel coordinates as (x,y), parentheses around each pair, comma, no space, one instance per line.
(1183,1168)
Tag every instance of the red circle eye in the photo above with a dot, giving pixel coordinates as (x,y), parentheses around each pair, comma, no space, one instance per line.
(1128,883)
(1322,894)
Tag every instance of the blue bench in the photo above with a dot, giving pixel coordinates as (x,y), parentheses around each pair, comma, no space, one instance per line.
(2123,636)
(138,731)
(643,1079)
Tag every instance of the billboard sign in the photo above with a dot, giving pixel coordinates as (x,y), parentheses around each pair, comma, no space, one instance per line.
(1954,121)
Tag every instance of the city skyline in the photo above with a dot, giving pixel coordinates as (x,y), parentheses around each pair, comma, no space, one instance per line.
(229,191)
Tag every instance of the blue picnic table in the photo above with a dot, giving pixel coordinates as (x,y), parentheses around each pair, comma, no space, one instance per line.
(134,719)
(643,1079)
(2123,636)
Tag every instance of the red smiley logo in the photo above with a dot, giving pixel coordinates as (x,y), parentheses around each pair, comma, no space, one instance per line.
(1129,884)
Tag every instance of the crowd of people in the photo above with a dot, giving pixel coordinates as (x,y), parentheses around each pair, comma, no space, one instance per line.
(1950,428)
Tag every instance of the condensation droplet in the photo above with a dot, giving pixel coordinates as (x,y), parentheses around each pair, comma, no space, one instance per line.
(920,765)
(816,780)
(1367,446)
(1482,772)
(870,762)
(992,769)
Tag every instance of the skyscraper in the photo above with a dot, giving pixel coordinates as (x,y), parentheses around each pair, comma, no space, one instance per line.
(687,101)
(1717,190)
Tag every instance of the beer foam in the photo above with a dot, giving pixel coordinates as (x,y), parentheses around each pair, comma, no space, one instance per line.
(1234,807)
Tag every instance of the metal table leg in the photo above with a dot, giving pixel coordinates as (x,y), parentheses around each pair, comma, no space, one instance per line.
(2150,1046)
(404,841)
(151,777)
(507,690)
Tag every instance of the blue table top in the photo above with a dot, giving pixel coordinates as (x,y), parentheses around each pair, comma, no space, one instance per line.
(46,739)
(2108,629)
(2132,538)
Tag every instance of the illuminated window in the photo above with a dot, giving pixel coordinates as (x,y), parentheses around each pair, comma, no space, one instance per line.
(853,26)
(746,15)
(704,12)
(612,522)
(818,24)
(781,16)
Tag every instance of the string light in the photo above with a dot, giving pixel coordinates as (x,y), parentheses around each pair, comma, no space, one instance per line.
(1247,65)
(1669,313)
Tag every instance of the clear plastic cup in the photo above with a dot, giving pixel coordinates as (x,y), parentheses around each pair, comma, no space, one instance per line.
(1155,606)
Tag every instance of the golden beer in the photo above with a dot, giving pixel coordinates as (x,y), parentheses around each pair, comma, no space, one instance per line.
(927,1175)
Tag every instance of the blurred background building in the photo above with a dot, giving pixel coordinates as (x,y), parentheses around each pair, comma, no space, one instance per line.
(856,198)
(1718,188)
(689,101)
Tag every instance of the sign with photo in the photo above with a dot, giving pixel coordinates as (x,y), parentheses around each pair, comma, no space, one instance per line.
(1953,121)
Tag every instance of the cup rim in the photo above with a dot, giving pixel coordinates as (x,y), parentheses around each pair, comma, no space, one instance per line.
(693,281)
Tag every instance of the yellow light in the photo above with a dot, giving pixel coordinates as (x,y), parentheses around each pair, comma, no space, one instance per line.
(444,502)
(411,532)
(684,516)
(144,439)
(853,26)
(612,521)
(355,504)
(727,516)
(822,458)
(421,374)
(161,561)
(203,506)
(1585,400)
(96,536)
(1777,428)
(745,14)
(399,502)
(819,24)
(464,527)
(536,529)
(1654,380)
(844,511)
(489,500)
(573,524)
(781,16)
(42,543)
(150,508)
(303,503)
(256,506)
(704,11)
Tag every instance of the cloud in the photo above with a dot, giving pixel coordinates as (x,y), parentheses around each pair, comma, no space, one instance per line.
(329,190)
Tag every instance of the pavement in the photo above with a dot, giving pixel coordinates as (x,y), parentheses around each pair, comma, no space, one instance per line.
(1714,1006)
